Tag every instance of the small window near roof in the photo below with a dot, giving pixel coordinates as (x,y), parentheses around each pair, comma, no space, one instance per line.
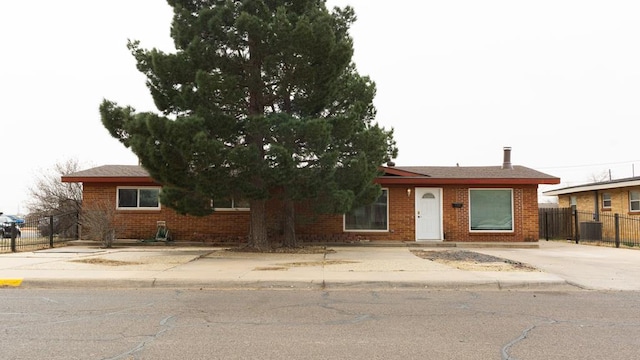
(231,203)
(606,201)
(138,198)
(634,200)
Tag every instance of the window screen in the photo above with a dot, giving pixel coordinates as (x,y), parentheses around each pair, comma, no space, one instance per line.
(491,209)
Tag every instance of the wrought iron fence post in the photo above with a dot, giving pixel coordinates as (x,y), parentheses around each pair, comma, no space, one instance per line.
(14,233)
(77,237)
(51,230)
(576,222)
(617,227)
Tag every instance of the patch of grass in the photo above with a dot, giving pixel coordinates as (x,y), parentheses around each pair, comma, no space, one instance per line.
(271,268)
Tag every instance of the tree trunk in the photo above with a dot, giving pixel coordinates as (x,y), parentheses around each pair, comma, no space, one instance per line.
(290,240)
(258,231)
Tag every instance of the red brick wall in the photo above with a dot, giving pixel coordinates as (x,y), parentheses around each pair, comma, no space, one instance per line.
(233,226)
(455,220)
(329,228)
(525,216)
(222,226)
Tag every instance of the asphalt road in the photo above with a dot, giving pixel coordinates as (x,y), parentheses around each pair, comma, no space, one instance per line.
(314,324)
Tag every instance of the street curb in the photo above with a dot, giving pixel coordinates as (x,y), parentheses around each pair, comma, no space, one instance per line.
(10,282)
(296,285)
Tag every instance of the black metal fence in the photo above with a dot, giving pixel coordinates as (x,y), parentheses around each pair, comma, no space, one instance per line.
(40,232)
(588,227)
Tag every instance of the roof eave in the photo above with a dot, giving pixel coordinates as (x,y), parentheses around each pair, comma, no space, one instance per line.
(398,172)
(592,187)
(455,181)
(109,179)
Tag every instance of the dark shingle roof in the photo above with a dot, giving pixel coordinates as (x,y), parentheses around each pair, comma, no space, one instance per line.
(112,171)
(112,174)
(419,174)
(475,172)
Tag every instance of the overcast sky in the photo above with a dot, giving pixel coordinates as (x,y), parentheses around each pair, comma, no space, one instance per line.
(558,81)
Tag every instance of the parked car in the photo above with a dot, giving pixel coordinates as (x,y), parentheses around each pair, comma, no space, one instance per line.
(5,227)
(19,221)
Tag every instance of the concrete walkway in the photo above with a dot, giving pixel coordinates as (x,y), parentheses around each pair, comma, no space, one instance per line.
(562,265)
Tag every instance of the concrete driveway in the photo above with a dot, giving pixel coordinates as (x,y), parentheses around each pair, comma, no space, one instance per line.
(585,266)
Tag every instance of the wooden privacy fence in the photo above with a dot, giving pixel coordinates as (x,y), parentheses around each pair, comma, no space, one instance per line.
(555,223)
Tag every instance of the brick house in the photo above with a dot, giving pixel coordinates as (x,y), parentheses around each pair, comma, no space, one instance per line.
(605,211)
(621,196)
(418,203)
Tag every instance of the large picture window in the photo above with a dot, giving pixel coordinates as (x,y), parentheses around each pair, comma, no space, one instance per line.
(491,209)
(138,198)
(372,217)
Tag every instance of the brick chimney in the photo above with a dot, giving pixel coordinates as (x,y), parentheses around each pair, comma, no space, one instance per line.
(506,163)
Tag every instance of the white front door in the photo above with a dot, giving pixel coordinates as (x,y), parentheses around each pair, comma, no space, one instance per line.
(428,214)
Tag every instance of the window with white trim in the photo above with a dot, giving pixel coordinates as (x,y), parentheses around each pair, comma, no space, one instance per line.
(606,201)
(491,209)
(230,203)
(372,217)
(142,198)
(634,200)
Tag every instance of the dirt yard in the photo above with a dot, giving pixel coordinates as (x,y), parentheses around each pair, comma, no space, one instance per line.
(460,259)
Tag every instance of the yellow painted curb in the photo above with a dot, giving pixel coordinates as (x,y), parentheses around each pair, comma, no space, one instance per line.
(10,282)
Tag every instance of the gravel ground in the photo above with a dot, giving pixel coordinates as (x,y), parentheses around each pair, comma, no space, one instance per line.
(470,260)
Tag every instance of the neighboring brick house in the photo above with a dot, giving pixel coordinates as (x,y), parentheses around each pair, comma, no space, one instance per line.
(418,203)
(620,196)
(605,211)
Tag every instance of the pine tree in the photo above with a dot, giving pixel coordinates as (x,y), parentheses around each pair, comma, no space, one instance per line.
(260,95)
